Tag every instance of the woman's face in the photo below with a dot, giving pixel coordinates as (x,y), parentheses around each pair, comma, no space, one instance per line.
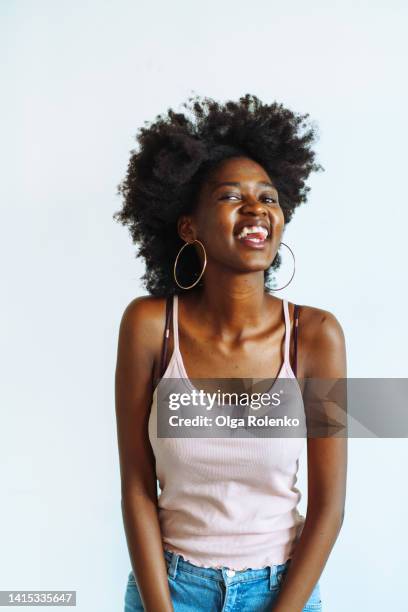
(238,217)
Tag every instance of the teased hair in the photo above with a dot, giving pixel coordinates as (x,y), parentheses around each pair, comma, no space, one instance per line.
(176,152)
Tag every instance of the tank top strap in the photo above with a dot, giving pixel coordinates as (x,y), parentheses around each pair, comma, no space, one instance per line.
(175,323)
(295,336)
(166,334)
(287,332)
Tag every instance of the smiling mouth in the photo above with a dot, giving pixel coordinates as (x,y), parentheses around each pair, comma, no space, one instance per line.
(253,236)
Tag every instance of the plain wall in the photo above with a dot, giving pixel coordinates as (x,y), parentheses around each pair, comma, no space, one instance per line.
(79,79)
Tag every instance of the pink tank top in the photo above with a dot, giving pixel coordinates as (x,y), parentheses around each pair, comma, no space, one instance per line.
(228,502)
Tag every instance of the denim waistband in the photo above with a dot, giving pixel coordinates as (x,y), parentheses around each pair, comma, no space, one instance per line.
(175,563)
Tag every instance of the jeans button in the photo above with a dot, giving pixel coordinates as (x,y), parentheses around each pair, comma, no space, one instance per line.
(230,573)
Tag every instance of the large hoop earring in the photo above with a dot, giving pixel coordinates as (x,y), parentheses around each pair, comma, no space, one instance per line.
(202,271)
(293,274)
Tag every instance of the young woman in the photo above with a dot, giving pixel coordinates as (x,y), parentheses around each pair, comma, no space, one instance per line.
(207,198)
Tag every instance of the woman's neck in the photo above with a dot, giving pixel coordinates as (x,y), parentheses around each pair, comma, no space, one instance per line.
(232,305)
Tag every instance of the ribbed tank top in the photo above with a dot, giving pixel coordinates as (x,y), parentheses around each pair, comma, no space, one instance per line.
(228,502)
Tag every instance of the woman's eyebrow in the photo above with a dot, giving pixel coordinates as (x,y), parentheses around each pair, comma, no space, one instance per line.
(237,184)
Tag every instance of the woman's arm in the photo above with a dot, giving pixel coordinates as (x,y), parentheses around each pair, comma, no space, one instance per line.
(138,339)
(325,355)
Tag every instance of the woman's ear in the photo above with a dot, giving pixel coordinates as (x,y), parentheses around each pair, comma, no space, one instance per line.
(185,227)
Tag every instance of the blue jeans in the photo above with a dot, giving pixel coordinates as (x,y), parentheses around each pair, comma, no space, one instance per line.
(200,589)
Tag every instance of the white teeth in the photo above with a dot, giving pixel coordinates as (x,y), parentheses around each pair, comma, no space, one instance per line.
(253,229)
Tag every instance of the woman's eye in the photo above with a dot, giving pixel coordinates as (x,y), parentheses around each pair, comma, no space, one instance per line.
(270,199)
(230,195)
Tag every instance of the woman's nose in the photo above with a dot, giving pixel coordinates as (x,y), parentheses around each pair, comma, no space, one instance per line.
(253,205)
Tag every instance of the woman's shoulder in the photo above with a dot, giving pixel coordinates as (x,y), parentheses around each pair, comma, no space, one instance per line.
(143,318)
(320,333)
(146,306)
(315,320)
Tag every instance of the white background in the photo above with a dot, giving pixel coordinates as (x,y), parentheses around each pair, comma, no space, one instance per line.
(78,80)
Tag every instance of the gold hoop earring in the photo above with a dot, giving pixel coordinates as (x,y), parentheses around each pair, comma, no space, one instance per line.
(293,273)
(202,271)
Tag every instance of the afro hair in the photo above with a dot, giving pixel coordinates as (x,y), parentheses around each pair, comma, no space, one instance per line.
(176,153)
